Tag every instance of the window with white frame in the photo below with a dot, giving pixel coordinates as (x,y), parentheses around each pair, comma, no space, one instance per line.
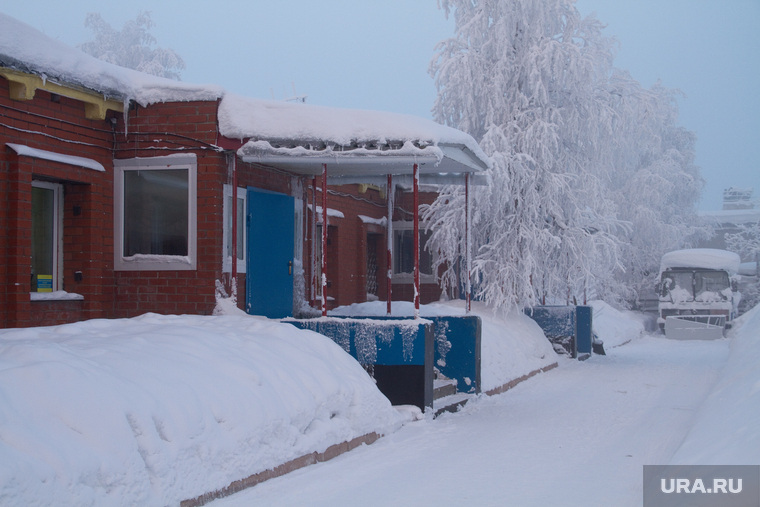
(403,253)
(47,223)
(155,224)
(241,229)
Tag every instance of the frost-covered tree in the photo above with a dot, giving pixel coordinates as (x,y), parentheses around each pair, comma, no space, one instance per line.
(653,178)
(522,77)
(534,83)
(132,46)
(746,242)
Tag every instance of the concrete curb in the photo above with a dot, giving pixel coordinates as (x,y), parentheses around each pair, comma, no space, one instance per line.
(512,383)
(280,470)
(319,457)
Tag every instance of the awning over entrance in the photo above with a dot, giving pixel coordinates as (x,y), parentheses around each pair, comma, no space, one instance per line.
(349,146)
(438,164)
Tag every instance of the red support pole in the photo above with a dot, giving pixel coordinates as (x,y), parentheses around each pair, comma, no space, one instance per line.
(416,193)
(324,240)
(305,226)
(389,242)
(468,241)
(313,284)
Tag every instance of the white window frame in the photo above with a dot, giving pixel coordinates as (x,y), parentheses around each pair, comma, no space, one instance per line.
(57,189)
(141,262)
(242,195)
(407,278)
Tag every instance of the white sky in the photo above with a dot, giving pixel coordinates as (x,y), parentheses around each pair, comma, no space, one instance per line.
(375,55)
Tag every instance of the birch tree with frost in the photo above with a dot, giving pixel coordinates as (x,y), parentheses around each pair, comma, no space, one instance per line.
(132,46)
(532,81)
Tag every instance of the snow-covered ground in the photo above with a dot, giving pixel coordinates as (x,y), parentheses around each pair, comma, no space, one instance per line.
(157,409)
(577,435)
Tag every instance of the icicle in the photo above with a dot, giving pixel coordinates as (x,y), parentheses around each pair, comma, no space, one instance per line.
(126,116)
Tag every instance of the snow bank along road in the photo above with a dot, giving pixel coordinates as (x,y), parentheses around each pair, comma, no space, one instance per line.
(577,435)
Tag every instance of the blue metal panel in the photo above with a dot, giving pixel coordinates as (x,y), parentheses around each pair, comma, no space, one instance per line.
(269,268)
(569,326)
(398,352)
(583,329)
(457,350)
(374,341)
(558,324)
(381,340)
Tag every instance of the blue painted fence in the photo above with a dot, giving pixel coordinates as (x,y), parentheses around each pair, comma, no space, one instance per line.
(568,326)
(457,350)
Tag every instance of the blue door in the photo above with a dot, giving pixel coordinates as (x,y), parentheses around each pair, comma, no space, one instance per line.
(269,270)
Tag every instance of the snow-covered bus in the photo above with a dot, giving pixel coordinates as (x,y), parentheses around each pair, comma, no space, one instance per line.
(697,292)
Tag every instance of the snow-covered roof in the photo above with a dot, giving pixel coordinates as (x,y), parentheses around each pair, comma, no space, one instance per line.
(731,216)
(301,137)
(707,258)
(357,144)
(27,49)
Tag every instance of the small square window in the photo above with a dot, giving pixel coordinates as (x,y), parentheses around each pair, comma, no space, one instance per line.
(155,213)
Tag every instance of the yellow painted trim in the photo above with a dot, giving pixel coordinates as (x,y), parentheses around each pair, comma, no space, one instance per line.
(363,187)
(23,87)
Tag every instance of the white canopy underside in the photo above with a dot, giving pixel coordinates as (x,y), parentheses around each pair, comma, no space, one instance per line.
(438,165)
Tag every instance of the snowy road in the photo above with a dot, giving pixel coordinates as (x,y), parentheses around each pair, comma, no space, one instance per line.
(577,435)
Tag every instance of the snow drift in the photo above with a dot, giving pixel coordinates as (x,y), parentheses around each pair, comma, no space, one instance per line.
(158,409)
(615,327)
(725,429)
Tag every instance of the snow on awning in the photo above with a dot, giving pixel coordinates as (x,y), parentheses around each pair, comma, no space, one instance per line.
(358,146)
(26,151)
(437,164)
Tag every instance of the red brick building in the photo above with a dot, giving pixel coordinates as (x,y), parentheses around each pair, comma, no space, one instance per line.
(116,193)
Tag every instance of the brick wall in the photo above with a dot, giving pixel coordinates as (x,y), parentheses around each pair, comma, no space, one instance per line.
(164,129)
(56,124)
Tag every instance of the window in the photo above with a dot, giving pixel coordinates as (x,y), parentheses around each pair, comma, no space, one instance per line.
(241,229)
(711,281)
(46,236)
(403,253)
(155,213)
